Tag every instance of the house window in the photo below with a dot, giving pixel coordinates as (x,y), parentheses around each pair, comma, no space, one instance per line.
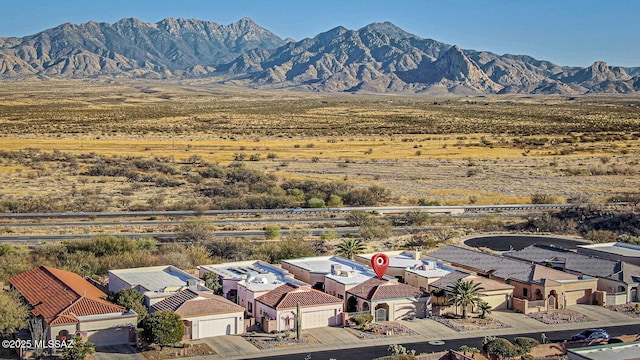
(423,289)
(340,296)
(525,292)
(250,307)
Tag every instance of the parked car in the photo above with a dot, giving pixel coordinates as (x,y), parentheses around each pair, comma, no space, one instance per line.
(591,334)
(297,210)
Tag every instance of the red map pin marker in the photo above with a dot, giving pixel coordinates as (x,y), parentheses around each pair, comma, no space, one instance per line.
(380,263)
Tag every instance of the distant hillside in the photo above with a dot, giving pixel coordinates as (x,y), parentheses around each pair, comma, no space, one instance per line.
(131,47)
(379,58)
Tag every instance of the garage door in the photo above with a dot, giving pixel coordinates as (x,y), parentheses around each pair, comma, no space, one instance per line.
(217,327)
(577,297)
(322,318)
(109,337)
(497,302)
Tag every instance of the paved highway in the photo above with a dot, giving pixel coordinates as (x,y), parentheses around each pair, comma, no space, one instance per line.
(379,209)
(340,231)
(372,352)
(170,222)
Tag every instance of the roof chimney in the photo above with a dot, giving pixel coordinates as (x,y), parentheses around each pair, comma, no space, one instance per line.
(416,255)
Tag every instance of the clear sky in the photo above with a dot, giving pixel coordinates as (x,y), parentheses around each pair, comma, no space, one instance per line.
(565,32)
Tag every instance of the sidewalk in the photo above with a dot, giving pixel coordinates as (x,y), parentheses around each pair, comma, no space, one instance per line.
(235,347)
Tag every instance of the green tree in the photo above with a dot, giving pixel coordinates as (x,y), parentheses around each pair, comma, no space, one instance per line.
(350,247)
(501,348)
(163,328)
(465,294)
(132,299)
(525,344)
(194,231)
(79,350)
(212,281)
(14,312)
(484,308)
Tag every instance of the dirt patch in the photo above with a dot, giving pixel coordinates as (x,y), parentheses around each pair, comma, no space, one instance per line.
(176,353)
(629,309)
(381,330)
(471,323)
(564,316)
(267,341)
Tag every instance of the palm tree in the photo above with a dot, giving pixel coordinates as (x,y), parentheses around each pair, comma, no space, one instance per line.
(465,294)
(484,308)
(350,247)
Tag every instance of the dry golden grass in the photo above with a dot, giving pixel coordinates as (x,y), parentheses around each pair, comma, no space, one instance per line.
(463,150)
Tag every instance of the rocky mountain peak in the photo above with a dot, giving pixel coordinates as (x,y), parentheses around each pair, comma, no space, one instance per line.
(380,57)
(389,29)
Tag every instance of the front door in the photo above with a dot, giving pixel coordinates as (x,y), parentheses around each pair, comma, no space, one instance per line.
(381,314)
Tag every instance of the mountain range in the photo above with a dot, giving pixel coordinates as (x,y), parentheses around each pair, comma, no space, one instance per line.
(378,58)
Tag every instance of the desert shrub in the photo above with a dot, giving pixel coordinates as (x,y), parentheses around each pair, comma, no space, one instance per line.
(428,202)
(272,231)
(194,231)
(376,231)
(601,236)
(361,319)
(359,218)
(211,171)
(315,203)
(543,199)
(334,201)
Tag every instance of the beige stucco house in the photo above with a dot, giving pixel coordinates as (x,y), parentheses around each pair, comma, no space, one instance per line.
(532,282)
(244,281)
(496,293)
(619,280)
(277,311)
(389,300)
(204,314)
(333,274)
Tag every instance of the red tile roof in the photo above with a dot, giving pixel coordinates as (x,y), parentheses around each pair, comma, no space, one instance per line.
(59,296)
(191,303)
(287,296)
(378,289)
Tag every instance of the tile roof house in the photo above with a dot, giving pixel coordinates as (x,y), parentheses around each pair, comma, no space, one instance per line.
(620,280)
(389,300)
(154,282)
(69,304)
(495,293)
(532,281)
(244,281)
(333,274)
(277,308)
(204,314)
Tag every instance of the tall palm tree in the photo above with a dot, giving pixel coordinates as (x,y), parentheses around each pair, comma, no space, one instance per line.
(350,247)
(465,294)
